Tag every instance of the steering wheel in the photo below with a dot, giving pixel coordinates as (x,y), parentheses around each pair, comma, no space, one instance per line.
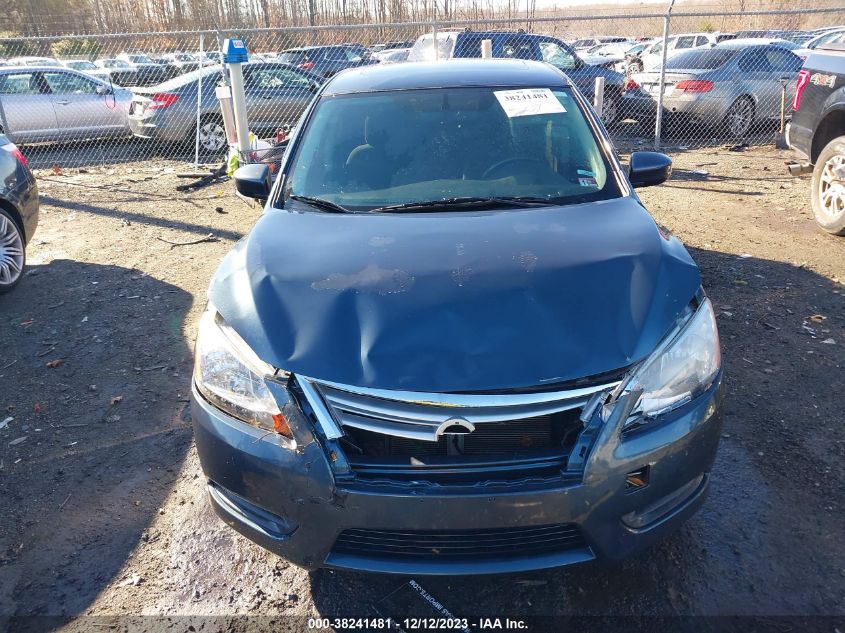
(524,160)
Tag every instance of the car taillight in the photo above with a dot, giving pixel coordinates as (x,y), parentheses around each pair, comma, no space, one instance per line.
(695,85)
(630,84)
(306,66)
(162,100)
(17,154)
(803,80)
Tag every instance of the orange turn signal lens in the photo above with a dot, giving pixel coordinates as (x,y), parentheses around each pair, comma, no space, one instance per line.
(280,425)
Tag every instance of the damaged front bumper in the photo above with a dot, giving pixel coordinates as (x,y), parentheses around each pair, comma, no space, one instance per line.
(630,490)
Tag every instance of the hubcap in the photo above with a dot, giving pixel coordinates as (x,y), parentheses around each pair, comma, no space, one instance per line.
(11,252)
(740,116)
(212,136)
(832,187)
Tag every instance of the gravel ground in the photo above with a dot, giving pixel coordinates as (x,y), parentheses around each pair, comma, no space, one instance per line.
(104,512)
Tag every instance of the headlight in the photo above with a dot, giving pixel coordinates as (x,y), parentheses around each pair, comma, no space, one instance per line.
(232,378)
(683,366)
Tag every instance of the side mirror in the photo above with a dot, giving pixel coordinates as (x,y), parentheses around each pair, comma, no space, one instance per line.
(649,168)
(104,90)
(253,181)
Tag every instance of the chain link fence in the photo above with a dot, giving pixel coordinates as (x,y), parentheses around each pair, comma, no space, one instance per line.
(670,80)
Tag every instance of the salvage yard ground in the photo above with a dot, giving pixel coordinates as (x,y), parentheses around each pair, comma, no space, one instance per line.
(104,509)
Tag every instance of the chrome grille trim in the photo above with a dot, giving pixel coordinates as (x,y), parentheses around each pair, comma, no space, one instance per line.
(418,415)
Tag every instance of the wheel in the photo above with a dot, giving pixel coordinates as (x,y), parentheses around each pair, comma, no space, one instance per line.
(610,109)
(212,135)
(828,188)
(740,117)
(12,252)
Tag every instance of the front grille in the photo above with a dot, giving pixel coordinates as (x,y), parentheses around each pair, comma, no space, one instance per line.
(461,544)
(450,438)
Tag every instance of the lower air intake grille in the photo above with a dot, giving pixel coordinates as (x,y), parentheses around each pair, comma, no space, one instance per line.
(461,544)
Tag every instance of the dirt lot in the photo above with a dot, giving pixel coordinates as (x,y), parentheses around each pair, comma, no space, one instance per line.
(103,507)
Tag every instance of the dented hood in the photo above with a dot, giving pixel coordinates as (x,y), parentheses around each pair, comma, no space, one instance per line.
(458,301)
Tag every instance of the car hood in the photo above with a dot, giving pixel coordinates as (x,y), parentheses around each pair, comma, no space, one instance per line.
(461,301)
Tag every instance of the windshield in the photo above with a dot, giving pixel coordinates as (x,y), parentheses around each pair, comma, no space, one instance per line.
(701,60)
(140,59)
(82,65)
(367,151)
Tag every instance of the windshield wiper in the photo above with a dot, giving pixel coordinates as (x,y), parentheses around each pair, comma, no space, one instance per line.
(428,205)
(320,203)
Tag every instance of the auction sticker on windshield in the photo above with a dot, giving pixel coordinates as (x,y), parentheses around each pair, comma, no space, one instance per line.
(528,101)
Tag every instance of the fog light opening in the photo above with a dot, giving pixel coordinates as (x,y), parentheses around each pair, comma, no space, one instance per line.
(637,479)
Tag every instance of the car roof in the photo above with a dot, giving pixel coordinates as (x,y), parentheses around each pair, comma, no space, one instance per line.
(454,73)
(747,42)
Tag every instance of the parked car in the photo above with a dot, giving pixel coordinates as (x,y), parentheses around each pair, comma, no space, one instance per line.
(89,68)
(47,104)
(122,72)
(148,72)
(652,56)
(183,62)
(18,213)
(832,36)
(518,45)
(395,340)
(327,60)
(584,43)
(389,46)
(817,132)
(35,61)
(276,95)
(731,84)
(607,55)
(392,55)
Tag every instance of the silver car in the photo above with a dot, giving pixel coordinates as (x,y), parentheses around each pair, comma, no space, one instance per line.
(728,84)
(44,103)
(276,94)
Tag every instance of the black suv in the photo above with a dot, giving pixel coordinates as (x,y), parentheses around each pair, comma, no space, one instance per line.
(521,45)
(817,132)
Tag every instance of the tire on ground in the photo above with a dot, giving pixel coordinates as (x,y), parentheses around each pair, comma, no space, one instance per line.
(11,241)
(828,188)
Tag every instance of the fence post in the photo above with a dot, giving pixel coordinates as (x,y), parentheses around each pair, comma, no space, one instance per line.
(658,122)
(199,106)
(486,49)
(434,38)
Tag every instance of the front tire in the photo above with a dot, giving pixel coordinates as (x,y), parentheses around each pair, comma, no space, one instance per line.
(828,187)
(610,109)
(12,252)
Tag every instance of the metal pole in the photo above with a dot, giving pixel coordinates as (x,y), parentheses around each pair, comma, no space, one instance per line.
(598,96)
(486,49)
(434,34)
(236,75)
(199,105)
(658,122)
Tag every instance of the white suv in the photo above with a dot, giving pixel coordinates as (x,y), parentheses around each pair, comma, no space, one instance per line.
(653,55)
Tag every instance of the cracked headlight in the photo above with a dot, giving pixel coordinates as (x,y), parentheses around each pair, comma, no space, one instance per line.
(683,366)
(231,377)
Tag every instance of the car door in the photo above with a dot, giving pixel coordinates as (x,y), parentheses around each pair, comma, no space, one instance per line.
(784,67)
(275,95)
(757,80)
(81,111)
(25,108)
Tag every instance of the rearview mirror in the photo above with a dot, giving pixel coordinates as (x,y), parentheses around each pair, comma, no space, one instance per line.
(649,168)
(253,181)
